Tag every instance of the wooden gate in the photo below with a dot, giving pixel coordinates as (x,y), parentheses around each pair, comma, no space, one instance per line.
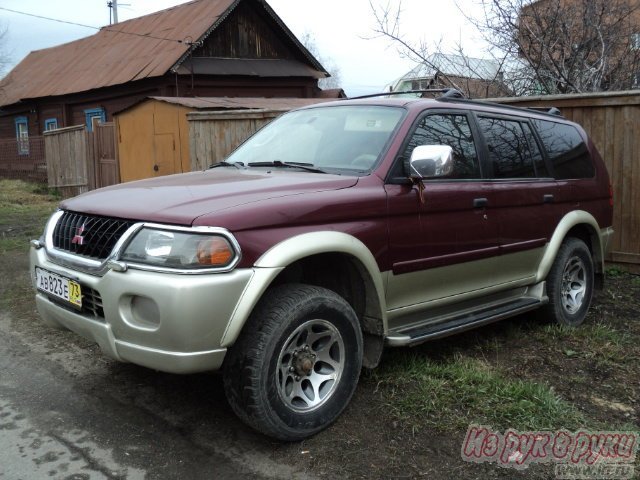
(79,160)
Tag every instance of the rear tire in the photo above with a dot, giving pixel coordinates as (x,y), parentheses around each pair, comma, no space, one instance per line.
(296,364)
(570,284)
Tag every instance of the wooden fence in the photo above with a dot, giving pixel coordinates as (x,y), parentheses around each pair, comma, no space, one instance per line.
(79,160)
(612,120)
(214,135)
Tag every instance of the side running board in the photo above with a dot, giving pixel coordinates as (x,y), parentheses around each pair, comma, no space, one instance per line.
(437,329)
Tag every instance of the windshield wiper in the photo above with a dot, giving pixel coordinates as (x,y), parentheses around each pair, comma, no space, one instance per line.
(238,165)
(278,163)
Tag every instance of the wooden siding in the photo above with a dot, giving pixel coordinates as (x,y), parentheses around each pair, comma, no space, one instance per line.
(612,120)
(214,135)
(244,34)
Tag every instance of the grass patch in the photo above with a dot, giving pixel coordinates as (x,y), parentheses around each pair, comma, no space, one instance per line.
(452,393)
(602,342)
(24,209)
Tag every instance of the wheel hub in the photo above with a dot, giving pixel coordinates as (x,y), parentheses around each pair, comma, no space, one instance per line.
(303,362)
(310,365)
(574,285)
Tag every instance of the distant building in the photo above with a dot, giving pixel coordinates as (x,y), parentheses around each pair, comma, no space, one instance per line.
(475,77)
(222,48)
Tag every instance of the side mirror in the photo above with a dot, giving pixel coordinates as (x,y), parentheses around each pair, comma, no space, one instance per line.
(431,161)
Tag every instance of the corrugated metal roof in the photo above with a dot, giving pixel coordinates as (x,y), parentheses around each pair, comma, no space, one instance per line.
(143,47)
(454,65)
(224,103)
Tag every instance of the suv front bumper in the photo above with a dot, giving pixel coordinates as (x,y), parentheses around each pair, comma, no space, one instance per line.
(168,322)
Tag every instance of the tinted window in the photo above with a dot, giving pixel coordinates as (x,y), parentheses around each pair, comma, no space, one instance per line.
(508,148)
(536,154)
(567,152)
(452,130)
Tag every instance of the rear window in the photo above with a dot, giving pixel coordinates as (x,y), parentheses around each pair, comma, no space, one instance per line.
(566,150)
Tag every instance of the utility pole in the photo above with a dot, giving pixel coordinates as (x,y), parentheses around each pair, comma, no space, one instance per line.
(113,11)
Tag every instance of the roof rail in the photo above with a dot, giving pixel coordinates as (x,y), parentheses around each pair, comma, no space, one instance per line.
(446,93)
(553,111)
(549,110)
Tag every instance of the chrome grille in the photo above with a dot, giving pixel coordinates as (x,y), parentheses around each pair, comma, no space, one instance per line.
(88,235)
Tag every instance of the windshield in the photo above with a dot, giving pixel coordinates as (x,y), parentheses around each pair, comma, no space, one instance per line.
(343,139)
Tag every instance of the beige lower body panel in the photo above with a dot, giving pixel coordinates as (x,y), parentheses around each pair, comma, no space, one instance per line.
(410,294)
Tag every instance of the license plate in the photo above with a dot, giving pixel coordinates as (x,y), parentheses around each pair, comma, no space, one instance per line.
(59,286)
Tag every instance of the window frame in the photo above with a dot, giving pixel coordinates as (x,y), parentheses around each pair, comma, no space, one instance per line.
(91,113)
(49,122)
(399,160)
(22,143)
(534,131)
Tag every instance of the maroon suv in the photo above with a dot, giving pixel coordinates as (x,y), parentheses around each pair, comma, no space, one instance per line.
(334,231)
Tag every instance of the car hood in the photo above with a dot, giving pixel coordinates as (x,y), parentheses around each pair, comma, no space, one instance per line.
(180,199)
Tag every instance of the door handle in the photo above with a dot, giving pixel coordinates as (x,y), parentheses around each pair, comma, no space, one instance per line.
(480,202)
(548,198)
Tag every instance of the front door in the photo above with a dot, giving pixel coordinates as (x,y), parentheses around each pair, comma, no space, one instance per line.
(455,241)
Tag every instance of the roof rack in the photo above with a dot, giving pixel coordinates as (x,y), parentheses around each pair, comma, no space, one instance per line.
(550,111)
(446,93)
(553,111)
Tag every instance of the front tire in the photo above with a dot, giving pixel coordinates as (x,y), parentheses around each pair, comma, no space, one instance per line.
(570,284)
(297,362)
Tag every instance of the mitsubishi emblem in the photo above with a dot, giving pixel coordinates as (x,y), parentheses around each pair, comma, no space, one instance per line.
(78,238)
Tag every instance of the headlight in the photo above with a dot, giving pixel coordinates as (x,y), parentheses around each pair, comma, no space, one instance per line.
(179,250)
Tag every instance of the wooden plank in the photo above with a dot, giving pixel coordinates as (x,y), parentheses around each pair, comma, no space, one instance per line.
(616,178)
(633,245)
(627,171)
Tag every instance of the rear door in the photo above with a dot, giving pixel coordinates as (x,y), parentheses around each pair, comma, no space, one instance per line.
(527,203)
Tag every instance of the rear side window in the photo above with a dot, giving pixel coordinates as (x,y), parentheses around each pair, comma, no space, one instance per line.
(452,130)
(509,151)
(568,153)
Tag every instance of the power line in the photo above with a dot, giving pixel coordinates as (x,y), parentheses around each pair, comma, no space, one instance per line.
(145,35)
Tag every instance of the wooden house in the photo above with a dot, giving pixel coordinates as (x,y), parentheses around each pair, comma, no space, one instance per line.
(214,48)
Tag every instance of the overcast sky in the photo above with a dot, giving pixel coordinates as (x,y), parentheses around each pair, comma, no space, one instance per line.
(342,30)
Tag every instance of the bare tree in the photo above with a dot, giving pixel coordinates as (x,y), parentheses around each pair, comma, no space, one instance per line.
(335,80)
(5,58)
(540,46)
(453,69)
(566,46)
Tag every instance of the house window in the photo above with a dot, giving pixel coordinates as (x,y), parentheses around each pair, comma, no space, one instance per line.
(50,124)
(635,41)
(94,116)
(22,135)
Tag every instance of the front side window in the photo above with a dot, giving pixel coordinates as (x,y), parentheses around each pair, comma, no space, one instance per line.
(508,147)
(341,139)
(452,130)
(566,150)
(22,135)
